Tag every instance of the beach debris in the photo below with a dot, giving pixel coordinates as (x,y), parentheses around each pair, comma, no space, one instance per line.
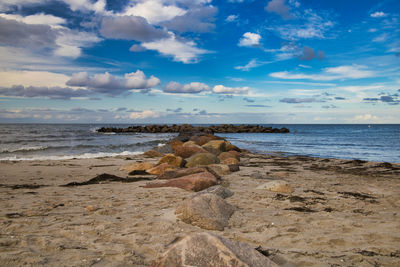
(105,177)
(301,209)
(173,160)
(160,169)
(278,186)
(193,182)
(360,196)
(22,186)
(207,211)
(201,159)
(209,250)
(218,190)
(138,166)
(14,215)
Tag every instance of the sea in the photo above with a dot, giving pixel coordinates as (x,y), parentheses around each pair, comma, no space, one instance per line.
(375,142)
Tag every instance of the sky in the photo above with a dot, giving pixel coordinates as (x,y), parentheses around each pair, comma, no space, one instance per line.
(200,61)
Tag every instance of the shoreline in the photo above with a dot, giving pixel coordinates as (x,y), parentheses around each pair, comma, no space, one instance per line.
(330,218)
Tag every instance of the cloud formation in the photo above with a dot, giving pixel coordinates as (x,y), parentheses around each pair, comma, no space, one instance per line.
(193,87)
(378,14)
(254,63)
(221,89)
(280,8)
(113,85)
(250,39)
(299,100)
(64,93)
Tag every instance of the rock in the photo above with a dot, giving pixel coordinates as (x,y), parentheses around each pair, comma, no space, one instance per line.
(207,211)
(160,169)
(201,159)
(175,143)
(230,161)
(91,208)
(209,250)
(228,155)
(220,169)
(165,149)
(235,153)
(180,172)
(230,147)
(215,146)
(193,182)
(278,186)
(188,151)
(152,154)
(189,143)
(173,160)
(234,168)
(138,166)
(217,190)
(200,140)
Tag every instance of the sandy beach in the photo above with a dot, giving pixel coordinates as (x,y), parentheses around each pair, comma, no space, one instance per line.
(341,213)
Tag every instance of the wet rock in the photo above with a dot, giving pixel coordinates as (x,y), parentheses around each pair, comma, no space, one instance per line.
(160,169)
(278,186)
(173,160)
(201,159)
(215,146)
(218,190)
(138,166)
(207,211)
(194,182)
(188,151)
(209,250)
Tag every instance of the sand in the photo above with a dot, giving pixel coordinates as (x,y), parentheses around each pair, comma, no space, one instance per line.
(341,213)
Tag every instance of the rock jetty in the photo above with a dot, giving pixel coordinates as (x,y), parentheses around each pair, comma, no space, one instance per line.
(224,128)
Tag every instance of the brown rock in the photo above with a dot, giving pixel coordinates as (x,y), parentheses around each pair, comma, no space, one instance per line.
(189,143)
(278,186)
(215,146)
(228,155)
(218,190)
(188,151)
(234,168)
(230,147)
(152,154)
(230,161)
(220,169)
(200,140)
(207,211)
(194,182)
(91,208)
(235,153)
(175,143)
(159,169)
(201,159)
(209,250)
(180,172)
(173,160)
(138,166)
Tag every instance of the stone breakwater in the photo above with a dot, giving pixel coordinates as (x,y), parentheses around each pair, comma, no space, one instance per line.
(224,128)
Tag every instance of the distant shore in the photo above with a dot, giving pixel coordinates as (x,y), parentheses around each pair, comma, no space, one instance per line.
(342,212)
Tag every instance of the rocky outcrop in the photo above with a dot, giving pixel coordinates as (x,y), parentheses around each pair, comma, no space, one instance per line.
(278,186)
(173,160)
(180,172)
(207,211)
(194,182)
(201,159)
(215,146)
(186,151)
(225,128)
(160,169)
(230,154)
(209,250)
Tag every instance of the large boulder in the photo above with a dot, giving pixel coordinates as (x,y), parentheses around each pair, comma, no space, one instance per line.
(230,147)
(209,250)
(220,169)
(138,166)
(201,159)
(215,146)
(152,154)
(230,161)
(193,182)
(200,139)
(228,155)
(207,211)
(188,151)
(173,160)
(278,186)
(180,172)
(175,143)
(218,190)
(189,143)
(160,169)
(165,149)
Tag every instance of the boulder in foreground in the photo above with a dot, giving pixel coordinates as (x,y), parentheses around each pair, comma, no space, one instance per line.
(278,186)
(160,169)
(173,160)
(217,190)
(194,182)
(207,211)
(201,159)
(208,250)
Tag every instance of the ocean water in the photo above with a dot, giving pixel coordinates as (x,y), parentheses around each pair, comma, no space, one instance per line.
(66,141)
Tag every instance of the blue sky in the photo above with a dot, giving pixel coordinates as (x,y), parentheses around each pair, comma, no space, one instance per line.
(200,61)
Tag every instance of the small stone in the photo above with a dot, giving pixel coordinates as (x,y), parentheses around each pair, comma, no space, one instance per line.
(91,208)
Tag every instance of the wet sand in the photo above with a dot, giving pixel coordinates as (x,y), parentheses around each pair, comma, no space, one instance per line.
(341,213)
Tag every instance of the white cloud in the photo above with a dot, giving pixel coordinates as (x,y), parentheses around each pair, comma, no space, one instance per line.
(144,114)
(87,5)
(279,7)
(193,87)
(381,38)
(182,51)
(221,89)
(71,42)
(32,78)
(250,39)
(231,18)
(39,18)
(328,74)
(154,11)
(365,117)
(378,14)
(252,64)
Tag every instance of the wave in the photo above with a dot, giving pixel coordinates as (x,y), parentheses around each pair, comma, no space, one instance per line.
(79,156)
(23,148)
